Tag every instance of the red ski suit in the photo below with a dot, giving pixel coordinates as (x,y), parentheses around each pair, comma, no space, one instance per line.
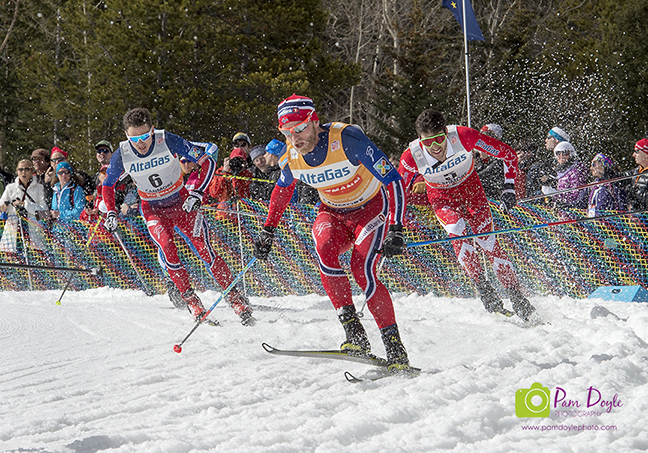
(458,199)
(362,193)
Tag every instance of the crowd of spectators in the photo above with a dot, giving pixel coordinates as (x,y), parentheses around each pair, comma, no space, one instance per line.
(47,187)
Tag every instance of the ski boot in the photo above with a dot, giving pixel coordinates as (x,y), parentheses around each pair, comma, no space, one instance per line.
(396,353)
(521,306)
(490,299)
(356,342)
(174,294)
(195,306)
(241,307)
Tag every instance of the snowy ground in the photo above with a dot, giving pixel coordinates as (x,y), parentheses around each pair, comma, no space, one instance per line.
(98,373)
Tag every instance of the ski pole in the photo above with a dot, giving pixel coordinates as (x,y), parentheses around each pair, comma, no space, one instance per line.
(94,230)
(93,271)
(573,189)
(523,228)
(147,290)
(67,285)
(178,347)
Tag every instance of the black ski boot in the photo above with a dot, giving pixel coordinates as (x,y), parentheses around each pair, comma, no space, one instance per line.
(174,294)
(521,306)
(396,353)
(490,298)
(241,306)
(356,337)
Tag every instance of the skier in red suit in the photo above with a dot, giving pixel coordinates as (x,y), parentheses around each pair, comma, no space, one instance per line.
(362,210)
(443,156)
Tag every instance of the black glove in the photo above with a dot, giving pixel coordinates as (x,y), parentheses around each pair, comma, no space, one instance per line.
(193,201)
(263,243)
(394,244)
(507,199)
(111,222)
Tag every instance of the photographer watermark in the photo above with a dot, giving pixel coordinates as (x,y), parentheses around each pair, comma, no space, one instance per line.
(536,402)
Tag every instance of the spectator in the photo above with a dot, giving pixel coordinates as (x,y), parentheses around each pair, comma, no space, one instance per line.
(69,200)
(490,170)
(242,141)
(41,160)
(24,197)
(570,173)
(91,213)
(260,190)
(224,188)
(81,178)
(131,205)
(104,152)
(554,136)
(274,150)
(637,188)
(604,197)
(527,151)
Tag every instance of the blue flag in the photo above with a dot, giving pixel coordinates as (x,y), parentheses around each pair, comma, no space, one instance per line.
(472,27)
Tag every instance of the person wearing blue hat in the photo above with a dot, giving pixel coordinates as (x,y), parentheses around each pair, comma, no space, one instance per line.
(68,200)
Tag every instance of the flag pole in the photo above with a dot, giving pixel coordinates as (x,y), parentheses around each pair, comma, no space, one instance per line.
(463,2)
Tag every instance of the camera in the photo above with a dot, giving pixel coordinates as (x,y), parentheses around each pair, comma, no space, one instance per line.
(533,402)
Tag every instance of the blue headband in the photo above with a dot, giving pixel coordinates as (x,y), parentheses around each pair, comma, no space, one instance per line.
(555,134)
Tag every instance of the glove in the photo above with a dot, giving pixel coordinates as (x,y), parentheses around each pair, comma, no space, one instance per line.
(263,243)
(193,201)
(419,187)
(394,244)
(507,199)
(111,222)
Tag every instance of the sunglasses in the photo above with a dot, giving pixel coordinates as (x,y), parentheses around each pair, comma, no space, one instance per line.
(63,172)
(184,161)
(562,153)
(37,159)
(241,143)
(143,137)
(58,159)
(438,139)
(104,150)
(297,128)
(25,169)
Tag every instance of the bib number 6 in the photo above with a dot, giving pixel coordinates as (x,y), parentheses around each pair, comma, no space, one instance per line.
(155,180)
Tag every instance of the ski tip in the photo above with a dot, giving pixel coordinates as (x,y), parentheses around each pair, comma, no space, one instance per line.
(268,348)
(351,378)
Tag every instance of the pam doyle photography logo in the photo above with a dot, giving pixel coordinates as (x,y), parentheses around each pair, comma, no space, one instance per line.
(537,402)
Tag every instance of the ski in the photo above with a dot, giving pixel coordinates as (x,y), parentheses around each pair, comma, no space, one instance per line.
(381,373)
(367,359)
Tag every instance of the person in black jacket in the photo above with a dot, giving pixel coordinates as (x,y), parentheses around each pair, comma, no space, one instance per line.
(637,188)
(262,190)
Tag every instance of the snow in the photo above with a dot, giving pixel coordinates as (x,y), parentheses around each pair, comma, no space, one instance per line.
(98,373)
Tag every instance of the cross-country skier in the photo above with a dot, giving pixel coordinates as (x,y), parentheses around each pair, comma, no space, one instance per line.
(148,156)
(442,154)
(362,209)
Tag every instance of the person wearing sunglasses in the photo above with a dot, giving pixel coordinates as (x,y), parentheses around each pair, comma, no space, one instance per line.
(636,189)
(362,210)
(604,197)
(22,199)
(570,172)
(444,156)
(148,156)
(69,199)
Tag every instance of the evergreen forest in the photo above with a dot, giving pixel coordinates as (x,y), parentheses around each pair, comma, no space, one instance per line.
(70,69)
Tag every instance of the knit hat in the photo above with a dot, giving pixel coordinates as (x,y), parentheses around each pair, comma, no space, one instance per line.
(56,149)
(607,162)
(238,152)
(559,134)
(565,146)
(65,166)
(258,150)
(296,108)
(642,145)
(42,153)
(275,147)
(104,144)
(241,136)
(495,129)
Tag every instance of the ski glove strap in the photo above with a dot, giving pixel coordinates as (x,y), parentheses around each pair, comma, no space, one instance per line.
(394,243)
(507,198)
(111,222)
(193,201)
(263,243)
